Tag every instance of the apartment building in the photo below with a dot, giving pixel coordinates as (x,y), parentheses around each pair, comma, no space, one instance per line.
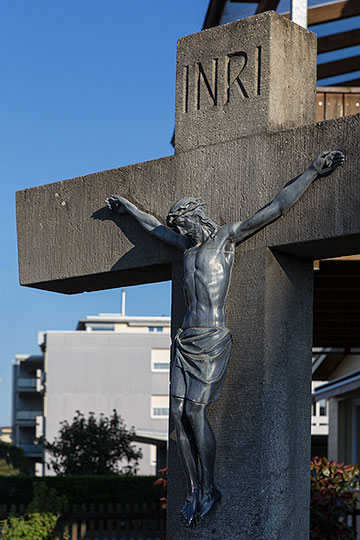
(111,361)
(5,434)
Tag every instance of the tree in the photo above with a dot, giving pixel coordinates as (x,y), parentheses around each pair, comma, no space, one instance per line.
(15,456)
(94,446)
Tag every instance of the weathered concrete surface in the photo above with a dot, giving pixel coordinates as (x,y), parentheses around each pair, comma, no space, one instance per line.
(63,248)
(69,241)
(262,419)
(249,76)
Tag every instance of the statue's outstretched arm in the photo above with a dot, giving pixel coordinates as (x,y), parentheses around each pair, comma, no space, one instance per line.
(323,165)
(148,222)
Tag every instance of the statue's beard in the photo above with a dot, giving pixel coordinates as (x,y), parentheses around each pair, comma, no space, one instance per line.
(196,237)
(198,234)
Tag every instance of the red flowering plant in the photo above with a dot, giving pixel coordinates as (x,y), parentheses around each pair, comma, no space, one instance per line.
(334,488)
(162,481)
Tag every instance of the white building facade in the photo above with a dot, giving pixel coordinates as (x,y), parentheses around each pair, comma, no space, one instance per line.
(110,362)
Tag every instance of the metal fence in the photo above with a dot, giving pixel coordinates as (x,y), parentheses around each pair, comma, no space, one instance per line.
(113,522)
(120,522)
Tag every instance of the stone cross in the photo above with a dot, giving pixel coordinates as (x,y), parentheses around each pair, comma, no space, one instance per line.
(245,110)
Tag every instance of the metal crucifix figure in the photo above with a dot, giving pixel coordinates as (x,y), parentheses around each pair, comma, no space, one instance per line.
(202,346)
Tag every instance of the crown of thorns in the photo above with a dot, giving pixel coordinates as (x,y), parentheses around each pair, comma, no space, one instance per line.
(187,205)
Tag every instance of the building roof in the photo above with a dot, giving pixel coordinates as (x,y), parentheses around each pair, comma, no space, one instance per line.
(322,20)
(338,387)
(325,361)
(36,359)
(337,304)
(149,436)
(119,318)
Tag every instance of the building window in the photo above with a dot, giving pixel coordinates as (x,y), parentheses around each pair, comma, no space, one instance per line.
(155,329)
(322,407)
(160,360)
(153,455)
(100,327)
(159,406)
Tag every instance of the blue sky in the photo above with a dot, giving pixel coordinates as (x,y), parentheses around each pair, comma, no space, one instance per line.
(86,85)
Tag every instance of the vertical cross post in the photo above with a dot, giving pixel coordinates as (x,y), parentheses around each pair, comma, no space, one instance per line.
(255,77)
(262,419)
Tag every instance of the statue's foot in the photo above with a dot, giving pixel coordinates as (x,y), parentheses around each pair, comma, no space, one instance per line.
(208,500)
(189,512)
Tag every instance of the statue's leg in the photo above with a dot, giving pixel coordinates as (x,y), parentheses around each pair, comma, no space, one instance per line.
(188,459)
(206,446)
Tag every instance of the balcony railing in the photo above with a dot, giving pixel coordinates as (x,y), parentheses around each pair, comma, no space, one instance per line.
(29,384)
(28,415)
(336,101)
(35,450)
(319,425)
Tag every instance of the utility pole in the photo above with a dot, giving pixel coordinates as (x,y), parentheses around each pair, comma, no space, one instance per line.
(298,12)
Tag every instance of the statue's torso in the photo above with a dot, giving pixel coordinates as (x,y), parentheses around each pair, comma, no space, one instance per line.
(207,272)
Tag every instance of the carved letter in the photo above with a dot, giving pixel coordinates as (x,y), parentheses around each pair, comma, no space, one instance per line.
(186,89)
(230,80)
(258,70)
(211,91)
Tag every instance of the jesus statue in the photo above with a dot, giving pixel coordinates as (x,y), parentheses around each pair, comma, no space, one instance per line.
(202,346)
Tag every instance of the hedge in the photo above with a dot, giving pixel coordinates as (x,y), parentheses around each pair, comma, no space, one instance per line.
(83,489)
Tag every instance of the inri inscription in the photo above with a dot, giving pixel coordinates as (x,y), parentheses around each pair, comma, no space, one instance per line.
(234,81)
(238,74)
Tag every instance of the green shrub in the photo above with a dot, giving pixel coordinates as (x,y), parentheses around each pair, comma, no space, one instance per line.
(83,489)
(7,469)
(334,488)
(39,521)
(15,456)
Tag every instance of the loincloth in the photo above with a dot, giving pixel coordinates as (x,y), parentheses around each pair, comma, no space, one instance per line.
(200,359)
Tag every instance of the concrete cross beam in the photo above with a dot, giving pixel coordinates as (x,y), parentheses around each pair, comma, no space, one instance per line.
(63,243)
(245,112)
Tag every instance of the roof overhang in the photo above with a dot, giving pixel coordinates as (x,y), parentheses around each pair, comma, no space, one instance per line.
(329,38)
(326,361)
(158,438)
(338,387)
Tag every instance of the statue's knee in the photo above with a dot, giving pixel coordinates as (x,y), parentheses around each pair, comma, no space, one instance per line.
(194,410)
(177,408)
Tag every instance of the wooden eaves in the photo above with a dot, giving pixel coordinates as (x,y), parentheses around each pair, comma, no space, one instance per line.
(317,15)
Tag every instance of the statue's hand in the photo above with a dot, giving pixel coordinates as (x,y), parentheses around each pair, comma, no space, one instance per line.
(115,204)
(327,162)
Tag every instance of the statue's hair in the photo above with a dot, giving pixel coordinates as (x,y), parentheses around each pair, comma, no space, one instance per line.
(205,221)
(186,205)
(195,207)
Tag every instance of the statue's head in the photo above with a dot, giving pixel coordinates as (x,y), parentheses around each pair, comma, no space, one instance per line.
(188,217)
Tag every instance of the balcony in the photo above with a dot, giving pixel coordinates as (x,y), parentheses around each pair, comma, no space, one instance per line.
(28,417)
(29,384)
(32,450)
(319,425)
